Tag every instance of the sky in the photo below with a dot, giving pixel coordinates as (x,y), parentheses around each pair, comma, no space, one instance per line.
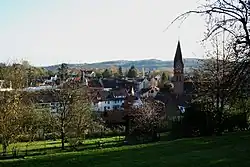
(47,32)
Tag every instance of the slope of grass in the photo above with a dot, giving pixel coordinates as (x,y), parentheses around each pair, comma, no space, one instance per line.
(228,150)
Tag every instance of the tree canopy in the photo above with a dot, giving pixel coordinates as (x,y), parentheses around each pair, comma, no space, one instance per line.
(107,73)
(63,71)
(132,73)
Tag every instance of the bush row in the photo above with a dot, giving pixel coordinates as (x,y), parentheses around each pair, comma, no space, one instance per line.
(196,122)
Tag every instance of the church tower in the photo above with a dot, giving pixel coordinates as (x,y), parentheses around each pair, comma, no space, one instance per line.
(178,79)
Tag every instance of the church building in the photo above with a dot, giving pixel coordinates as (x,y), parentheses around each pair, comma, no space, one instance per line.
(177,94)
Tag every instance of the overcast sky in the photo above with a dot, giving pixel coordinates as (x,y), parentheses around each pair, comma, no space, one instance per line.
(46,32)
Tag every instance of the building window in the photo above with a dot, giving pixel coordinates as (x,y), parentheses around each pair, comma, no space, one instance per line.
(178,78)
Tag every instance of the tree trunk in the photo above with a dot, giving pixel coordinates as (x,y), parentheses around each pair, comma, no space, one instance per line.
(127,127)
(62,134)
(5,145)
(62,138)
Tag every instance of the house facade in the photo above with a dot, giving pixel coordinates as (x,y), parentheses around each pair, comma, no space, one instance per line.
(109,104)
(111,100)
(4,86)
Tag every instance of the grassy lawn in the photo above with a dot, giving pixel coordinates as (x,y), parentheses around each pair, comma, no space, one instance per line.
(55,146)
(228,150)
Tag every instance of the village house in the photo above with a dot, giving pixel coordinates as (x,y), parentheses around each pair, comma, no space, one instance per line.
(149,92)
(5,86)
(112,96)
(116,116)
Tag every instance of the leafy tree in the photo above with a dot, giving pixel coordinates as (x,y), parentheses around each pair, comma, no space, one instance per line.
(45,122)
(26,64)
(212,80)
(15,105)
(107,73)
(83,115)
(145,121)
(9,111)
(132,73)
(113,69)
(16,75)
(98,74)
(29,121)
(35,73)
(164,79)
(14,109)
(49,73)
(72,111)
(63,71)
(2,69)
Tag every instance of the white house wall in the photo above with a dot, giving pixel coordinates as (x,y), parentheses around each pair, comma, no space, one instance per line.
(112,105)
(108,105)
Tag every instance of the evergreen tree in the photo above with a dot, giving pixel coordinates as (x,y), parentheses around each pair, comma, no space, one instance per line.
(63,71)
(132,73)
(98,74)
(120,71)
(164,78)
(107,73)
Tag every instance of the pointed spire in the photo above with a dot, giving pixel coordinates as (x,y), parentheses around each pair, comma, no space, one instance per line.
(178,55)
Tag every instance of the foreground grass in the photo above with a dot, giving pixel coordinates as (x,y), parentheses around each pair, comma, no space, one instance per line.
(49,147)
(228,150)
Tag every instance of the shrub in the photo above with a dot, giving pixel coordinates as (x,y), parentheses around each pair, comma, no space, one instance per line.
(52,136)
(235,121)
(199,122)
(143,123)
(194,122)
(23,138)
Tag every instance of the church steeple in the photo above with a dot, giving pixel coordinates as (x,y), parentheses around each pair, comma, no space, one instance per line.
(178,79)
(178,62)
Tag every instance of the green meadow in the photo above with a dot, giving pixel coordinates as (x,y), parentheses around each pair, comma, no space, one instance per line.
(227,150)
